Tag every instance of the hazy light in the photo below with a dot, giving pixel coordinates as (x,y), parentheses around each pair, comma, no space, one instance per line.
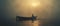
(35,4)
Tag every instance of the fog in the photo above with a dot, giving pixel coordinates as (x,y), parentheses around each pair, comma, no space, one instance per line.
(48,9)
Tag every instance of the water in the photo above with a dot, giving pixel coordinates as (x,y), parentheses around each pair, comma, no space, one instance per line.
(28,23)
